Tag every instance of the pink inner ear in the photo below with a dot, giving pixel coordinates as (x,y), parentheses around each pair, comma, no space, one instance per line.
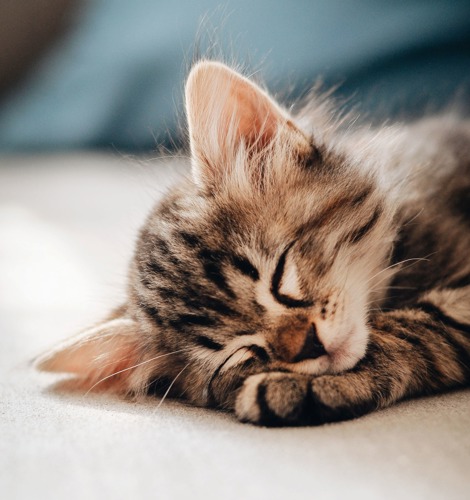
(224,108)
(258,117)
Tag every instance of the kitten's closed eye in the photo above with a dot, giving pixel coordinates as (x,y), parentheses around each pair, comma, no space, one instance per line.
(285,283)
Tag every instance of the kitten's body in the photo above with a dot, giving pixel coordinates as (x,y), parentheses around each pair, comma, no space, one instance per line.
(270,282)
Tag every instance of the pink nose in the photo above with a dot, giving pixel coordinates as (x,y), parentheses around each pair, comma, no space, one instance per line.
(312,347)
(296,339)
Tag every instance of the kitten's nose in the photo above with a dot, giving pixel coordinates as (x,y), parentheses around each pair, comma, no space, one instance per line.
(312,348)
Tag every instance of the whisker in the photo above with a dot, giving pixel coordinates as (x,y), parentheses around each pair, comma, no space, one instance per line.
(374,309)
(170,386)
(394,288)
(401,269)
(414,260)
(132,367)
(408,222)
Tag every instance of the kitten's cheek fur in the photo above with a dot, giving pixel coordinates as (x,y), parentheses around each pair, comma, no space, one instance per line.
(351,350)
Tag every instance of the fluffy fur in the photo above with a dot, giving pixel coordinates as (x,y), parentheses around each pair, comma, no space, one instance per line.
(307,271)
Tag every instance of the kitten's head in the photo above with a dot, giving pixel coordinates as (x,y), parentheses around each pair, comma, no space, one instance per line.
(270,249)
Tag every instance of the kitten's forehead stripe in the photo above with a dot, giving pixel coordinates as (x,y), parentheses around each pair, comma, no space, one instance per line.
(362,197)
(245,267)
(148,269)
(168,294)
(152,312)
(157,268)
(196,298)
(209,343)
(335,205)
(187,323)
(161,245)
(360,233)
(162,251)
(192,240)
(203,301)
(212,264)
(197,320)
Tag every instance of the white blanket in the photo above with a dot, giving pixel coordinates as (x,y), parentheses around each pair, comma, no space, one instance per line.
(67,225)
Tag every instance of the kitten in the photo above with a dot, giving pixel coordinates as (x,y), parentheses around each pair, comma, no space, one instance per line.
(307,272)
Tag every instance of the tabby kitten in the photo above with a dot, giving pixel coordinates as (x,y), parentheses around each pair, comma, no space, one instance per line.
(307,272)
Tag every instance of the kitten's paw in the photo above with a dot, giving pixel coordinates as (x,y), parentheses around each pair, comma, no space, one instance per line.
(339,397)
(278,398)
(273,399)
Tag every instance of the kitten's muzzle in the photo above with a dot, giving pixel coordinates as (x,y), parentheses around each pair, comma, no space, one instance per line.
(297,340)
(312,348)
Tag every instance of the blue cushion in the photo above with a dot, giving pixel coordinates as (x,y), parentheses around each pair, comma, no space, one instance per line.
(116,80)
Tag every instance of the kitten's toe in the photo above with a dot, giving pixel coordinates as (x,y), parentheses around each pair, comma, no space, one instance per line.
(274,399)
(339,397)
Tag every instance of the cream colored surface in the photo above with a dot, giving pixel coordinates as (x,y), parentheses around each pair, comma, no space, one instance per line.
(66,231)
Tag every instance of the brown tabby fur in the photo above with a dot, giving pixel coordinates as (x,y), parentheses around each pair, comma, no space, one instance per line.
(308,271)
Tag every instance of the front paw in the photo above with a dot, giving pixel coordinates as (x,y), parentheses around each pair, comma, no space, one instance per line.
(281,399)
(273,399)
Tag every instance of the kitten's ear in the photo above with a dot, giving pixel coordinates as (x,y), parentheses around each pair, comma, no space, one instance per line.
(103,358)
(226,110)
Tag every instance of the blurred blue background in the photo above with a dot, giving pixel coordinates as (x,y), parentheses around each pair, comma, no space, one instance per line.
(112,75)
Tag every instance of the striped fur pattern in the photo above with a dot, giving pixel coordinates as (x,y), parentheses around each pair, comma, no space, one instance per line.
(306,272)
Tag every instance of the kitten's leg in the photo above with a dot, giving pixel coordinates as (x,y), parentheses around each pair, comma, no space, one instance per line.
(226,381)
(413,351)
